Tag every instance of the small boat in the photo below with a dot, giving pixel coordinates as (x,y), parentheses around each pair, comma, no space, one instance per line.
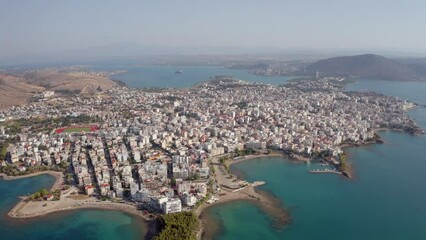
(178,71)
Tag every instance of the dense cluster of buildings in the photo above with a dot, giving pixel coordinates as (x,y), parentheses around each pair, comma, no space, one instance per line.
(153,148)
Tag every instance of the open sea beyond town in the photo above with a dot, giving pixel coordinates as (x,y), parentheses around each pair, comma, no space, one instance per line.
(384,200)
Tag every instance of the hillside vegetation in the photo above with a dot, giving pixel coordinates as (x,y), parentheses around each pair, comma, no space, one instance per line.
(366,66)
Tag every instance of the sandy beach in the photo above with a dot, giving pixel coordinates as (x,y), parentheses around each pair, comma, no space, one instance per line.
(68,201)
(248,157)
(266,202)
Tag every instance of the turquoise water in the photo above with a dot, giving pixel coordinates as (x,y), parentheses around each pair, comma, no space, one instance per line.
(84,224)
(165,76)
(386,200)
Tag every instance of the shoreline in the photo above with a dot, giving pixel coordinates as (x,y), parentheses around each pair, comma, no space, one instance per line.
(27,210)
(59,178)
(269,204)
(150,224)
(77,205)
(253,156)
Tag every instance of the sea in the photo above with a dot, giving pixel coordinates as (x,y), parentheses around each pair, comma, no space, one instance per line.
(165,76)
(80,224)
(385,200)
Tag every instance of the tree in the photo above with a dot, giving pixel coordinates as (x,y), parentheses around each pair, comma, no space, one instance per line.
(68,178)
(182,225)
(3,150)
(44,192)
(173,182)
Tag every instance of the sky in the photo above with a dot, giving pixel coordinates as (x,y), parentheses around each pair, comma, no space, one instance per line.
(44,26)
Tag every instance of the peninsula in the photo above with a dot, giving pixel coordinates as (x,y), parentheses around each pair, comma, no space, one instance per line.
(159,152)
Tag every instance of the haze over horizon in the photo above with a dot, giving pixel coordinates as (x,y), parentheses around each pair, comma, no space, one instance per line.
(48,26)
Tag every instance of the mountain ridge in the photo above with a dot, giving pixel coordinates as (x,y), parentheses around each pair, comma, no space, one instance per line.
(367,66)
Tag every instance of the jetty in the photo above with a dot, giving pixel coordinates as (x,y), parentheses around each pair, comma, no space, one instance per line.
(257,183)
(325,170)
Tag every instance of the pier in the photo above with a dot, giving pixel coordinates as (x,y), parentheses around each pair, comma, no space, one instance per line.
(325,170)
(257,183)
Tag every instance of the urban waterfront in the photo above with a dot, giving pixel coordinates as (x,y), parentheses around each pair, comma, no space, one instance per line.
(81,224)
(223,120)
(385,200)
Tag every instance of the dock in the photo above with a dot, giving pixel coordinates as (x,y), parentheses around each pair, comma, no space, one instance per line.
(325,170)
(257,183)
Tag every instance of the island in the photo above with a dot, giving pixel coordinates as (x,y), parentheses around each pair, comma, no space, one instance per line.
(165,154)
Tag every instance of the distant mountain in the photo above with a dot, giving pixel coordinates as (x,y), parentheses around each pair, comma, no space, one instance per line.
(368,66)
(416,64)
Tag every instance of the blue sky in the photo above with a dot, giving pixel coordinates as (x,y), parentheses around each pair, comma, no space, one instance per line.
(57,25)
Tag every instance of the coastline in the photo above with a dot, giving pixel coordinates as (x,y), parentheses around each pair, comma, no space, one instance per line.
(270,205)
(24,209)
(253,156)
(265,201)
(291,156)
(34,209)
(59,178)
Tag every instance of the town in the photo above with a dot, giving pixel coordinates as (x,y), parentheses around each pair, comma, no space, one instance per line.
(155,148)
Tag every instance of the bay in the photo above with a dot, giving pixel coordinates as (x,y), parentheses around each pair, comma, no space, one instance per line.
(81,224)
(164,76)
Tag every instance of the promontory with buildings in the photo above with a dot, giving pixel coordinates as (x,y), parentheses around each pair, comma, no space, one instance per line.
(165,151)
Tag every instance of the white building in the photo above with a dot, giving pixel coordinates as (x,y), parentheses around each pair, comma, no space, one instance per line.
(172,206)
(189,200)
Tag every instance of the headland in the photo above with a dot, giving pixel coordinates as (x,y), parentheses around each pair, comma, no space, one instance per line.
(169,151)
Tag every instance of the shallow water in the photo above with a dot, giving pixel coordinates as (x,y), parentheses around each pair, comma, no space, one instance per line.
(81,224)
(385,200)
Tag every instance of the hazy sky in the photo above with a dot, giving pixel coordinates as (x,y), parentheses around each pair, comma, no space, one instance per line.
(56,25)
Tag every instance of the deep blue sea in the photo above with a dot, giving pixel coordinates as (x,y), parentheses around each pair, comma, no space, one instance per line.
(386,200)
